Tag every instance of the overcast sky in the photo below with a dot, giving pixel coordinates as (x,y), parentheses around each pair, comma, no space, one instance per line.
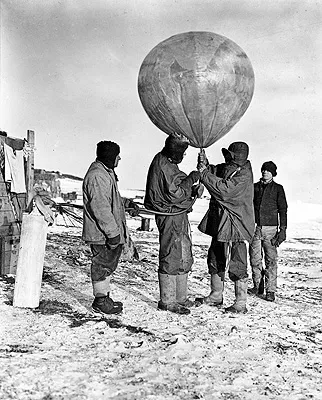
(69,72)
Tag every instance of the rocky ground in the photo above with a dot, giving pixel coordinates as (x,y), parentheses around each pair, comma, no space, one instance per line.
(61,350)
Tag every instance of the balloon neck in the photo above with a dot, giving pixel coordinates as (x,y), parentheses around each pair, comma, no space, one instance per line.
(180,137)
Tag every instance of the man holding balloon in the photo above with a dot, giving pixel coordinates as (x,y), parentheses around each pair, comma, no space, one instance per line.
(169,193)
(229,221)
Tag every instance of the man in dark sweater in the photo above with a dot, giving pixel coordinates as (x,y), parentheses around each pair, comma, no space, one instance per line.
(270,208)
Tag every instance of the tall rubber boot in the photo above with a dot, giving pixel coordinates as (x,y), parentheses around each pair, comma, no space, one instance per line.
(168,302)
(181,291)
(215,298)
(239,306)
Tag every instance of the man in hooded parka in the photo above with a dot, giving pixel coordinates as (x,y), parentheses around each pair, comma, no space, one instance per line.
(104,223)
(230,222)
(169,190)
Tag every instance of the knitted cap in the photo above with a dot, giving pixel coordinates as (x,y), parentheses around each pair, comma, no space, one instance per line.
(238,151)
(107,152)
(174,148)
(269,166)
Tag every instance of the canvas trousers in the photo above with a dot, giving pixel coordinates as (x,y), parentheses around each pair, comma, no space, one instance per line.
(259,248)
(218,255)
(175,252)
(104,261)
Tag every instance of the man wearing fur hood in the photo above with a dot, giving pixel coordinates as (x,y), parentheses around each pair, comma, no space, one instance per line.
(104,223)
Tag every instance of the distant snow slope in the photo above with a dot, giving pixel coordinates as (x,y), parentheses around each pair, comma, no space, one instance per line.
(68,185)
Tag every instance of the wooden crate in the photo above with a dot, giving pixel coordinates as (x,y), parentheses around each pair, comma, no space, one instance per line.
(9,251)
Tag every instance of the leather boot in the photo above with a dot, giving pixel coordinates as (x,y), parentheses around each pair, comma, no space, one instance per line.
(181,291)
(253,290)
(105,305)
(239,305)
(259,284)
(102,288)
(215,298)
(168,302)
(270,296)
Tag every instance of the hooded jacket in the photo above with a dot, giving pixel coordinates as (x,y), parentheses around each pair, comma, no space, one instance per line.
(167,189)
(231,214)
(104,214)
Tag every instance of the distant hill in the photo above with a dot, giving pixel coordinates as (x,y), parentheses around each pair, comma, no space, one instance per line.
(69,187)
(40,173)
(57,184)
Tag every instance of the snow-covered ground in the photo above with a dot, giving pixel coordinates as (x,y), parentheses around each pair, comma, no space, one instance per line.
(62,351)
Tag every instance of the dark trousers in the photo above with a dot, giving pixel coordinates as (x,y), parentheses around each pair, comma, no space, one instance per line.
(104,261)
(217,258)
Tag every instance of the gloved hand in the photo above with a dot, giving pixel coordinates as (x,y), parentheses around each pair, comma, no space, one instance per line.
(135,209)
(197,190)
(113,242)
(189,180)
(194,176)
(202,161)
(202,158)
(280,237)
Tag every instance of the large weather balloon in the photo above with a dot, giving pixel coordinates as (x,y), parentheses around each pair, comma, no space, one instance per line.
(198,84)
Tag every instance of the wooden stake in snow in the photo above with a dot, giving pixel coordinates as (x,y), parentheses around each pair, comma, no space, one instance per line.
(145,224)
(31,260)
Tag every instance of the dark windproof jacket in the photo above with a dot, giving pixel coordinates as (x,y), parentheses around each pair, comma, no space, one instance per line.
(231,213)
(270,204)
(169,190)
(104,213)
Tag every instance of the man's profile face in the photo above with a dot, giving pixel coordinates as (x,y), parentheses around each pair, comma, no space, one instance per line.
(117,159)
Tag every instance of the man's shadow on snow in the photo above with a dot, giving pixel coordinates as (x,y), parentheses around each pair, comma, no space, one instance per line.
(86,300)
(55,307)
(77,319)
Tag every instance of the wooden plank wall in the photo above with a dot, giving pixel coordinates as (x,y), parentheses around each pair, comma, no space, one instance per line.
(9,232)
(12,206)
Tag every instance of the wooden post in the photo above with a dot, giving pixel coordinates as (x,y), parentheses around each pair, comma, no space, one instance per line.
(145,224)
(30,169)
(30,260)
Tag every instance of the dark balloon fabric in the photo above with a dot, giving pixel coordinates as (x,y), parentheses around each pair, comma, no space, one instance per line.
(198,84)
